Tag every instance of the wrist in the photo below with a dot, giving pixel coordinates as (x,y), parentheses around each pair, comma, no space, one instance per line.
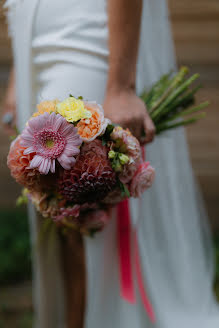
(118,88)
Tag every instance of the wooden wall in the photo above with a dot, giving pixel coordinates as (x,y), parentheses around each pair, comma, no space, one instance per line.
(196,34)
(196,30)
(5,49)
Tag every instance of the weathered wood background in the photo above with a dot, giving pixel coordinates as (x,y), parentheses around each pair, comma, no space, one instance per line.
(196,34)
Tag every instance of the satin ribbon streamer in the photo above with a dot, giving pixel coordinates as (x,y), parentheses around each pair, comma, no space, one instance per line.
(127,289)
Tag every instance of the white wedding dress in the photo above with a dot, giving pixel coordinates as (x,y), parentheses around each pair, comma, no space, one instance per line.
(60,47)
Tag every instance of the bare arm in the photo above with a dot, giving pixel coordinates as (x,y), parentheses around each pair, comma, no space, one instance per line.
(9,103)
(121,103)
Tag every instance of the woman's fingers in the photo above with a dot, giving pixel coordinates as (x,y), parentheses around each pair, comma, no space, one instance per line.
(135,126)
(149,129)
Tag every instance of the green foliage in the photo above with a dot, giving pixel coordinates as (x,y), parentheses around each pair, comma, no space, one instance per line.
(106,137)
(124,190)
(15,261)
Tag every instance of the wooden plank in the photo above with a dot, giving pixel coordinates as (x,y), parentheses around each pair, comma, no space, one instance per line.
(195,8)
(201,53)
(196,31)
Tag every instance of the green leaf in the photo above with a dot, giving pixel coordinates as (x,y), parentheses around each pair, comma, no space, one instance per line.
(104,142)
(80,97)
(12,138)
(106,137)
(110,128)
(124,190)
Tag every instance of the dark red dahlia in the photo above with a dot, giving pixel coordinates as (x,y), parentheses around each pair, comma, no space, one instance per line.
(92,177)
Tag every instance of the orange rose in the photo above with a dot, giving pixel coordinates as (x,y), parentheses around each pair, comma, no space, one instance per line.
(90,128)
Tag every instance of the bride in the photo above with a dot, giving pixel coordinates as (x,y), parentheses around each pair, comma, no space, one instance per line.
(89,48)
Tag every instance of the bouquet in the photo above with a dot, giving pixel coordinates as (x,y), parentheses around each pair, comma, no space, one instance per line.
(75,164)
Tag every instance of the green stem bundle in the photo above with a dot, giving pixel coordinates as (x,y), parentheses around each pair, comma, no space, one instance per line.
(170,99)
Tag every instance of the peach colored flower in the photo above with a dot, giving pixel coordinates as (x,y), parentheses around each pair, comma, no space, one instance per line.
(142,180)
(90,128)
(46,106)
(18,163)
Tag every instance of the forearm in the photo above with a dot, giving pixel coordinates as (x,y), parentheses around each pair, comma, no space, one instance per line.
(124,34)
(11,85)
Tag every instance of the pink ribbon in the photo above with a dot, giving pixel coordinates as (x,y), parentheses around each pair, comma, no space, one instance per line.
(124,243)
(125,260)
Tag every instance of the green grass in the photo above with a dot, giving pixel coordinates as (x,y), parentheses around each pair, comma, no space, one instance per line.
(15,256)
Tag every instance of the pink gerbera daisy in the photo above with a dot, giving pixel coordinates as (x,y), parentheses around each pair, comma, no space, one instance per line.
(50,137)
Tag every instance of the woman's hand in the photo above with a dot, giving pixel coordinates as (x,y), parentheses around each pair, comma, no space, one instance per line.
(121,104)
(9,108)
(123,107)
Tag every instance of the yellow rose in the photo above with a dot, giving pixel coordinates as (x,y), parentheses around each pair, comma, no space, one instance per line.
(73,109)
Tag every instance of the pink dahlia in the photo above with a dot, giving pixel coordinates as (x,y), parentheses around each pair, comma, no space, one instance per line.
(92,177)
(126,143)
(51,138)
(142,180)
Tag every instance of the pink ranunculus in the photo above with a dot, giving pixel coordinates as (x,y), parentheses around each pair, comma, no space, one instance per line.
(127,144)
(50,137)
(142,180)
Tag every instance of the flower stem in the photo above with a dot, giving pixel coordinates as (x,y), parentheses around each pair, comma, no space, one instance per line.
(162,127)
(176,81)
(187,111)
(163,109)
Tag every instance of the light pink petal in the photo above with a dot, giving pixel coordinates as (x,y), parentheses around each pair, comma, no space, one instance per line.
(75,140)
(36,161)
(71,150)
(59,121)
(45,166)
(68,130)
(66,162)
(25,143)
(53,163)
(48,166)
(73,143)
(42,120)
(34,124)
(27,136)
(29,150)
(51,119)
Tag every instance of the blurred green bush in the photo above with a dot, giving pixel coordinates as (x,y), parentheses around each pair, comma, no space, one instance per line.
(15,258)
